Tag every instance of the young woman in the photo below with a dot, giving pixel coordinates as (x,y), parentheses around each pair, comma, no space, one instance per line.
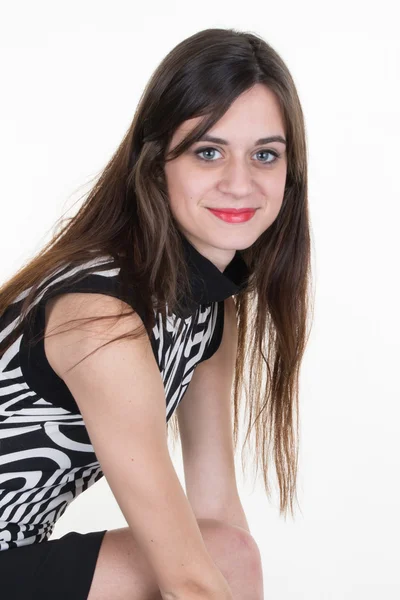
(188,261)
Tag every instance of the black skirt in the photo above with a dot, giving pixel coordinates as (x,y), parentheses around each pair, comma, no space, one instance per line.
(59,569)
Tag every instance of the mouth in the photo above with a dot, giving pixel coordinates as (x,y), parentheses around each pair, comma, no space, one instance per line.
(235,211)
(233,216)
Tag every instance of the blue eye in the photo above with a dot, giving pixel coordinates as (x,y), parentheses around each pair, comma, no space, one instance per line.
(207,149)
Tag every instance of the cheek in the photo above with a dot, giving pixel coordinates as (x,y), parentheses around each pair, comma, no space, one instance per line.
(186,187)
(275,186)
(172,178)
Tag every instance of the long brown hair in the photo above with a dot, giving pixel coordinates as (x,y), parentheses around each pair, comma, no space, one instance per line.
(127,215)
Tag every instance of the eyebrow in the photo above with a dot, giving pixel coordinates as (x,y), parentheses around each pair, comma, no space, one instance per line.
(266,140)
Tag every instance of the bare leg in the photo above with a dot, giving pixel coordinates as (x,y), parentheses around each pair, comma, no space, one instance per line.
(122,573)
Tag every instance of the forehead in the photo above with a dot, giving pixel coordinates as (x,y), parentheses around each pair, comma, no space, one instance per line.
(255,113)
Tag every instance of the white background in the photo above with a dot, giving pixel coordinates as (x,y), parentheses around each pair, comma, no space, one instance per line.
(71,76)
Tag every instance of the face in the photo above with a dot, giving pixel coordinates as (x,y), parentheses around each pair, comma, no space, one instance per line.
(235,172)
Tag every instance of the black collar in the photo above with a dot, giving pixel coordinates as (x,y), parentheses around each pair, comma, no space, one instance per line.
(209,284)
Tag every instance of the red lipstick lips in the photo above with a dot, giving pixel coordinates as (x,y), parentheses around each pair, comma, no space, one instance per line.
(234,216)
(233,210)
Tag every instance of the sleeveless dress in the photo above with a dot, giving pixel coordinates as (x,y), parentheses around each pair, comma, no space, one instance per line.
(46,457)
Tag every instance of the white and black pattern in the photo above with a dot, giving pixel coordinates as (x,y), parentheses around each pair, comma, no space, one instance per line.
(46,457)
(179,354)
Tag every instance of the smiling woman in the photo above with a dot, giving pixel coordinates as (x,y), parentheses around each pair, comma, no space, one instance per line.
(186,263)
(202,190)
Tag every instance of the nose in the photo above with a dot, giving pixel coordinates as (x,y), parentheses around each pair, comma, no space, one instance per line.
(236,179)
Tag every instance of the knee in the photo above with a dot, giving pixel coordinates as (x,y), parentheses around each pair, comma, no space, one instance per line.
(237,555)
(237,543)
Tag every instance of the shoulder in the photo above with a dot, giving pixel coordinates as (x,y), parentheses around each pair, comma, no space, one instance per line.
(230,321)
(229,304)
(227,342)
(65,345)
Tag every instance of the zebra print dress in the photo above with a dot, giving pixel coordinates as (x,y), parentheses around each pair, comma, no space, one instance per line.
(46,458)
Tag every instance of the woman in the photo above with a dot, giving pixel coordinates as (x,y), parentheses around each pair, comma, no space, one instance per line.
(159,265)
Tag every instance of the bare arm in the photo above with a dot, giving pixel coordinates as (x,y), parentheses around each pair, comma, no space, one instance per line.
(121,397)
(205,424)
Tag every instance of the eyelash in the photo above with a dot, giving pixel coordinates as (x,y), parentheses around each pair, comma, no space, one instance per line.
(200,150)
